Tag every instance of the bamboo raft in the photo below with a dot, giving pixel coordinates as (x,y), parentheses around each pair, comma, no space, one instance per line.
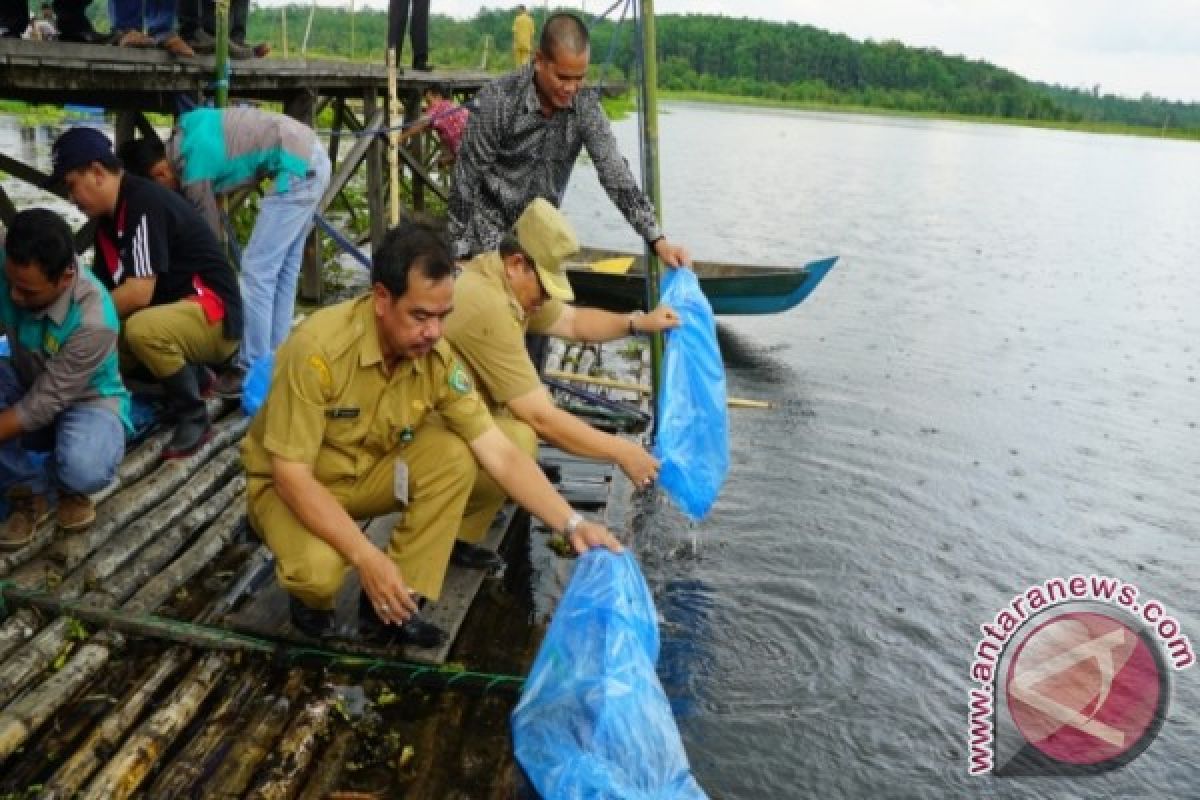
(123,672)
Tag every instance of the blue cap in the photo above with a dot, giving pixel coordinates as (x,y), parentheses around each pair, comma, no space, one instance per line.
(77,148)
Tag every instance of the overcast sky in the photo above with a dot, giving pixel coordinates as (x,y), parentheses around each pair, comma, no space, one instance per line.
(1127,46)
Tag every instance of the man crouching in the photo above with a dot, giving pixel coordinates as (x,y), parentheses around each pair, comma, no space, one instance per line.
(61,391)
(369,413)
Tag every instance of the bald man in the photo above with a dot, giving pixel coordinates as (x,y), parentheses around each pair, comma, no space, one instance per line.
(523,141)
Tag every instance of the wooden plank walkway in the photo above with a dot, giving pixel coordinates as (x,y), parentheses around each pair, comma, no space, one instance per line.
(92,712)
(148,80)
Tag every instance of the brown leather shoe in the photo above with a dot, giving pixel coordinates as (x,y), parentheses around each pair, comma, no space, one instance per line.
(176,46)
(27,511)
(75,511)
(134,39)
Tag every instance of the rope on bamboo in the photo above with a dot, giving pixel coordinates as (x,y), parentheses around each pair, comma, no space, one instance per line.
(216,638)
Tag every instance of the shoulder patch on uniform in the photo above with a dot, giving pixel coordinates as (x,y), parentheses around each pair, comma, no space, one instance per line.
(318,365)
(458,380)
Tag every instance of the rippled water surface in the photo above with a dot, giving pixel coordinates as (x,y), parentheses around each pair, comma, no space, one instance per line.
(995,386)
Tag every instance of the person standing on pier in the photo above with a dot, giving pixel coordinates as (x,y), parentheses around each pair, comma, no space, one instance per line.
(499,297)
(523,142)
(369,412)
(217,151)
(398,21)
(522,31)
(148,23)
(61,390)
(175,293)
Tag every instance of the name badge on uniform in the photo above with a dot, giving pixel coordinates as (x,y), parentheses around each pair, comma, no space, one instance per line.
(342,413)
(400,482)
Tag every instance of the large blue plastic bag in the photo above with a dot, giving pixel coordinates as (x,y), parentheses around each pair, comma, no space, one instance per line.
(593,722)
(693,425)
(256,384)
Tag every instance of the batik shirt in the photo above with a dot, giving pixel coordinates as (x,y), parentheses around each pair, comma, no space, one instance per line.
(512,154)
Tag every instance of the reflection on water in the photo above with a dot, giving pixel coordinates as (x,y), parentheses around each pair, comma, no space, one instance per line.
(30,144)
(996,385)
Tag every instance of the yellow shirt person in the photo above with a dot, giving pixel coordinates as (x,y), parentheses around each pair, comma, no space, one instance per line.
(369,413)
(499,297)
(522,31)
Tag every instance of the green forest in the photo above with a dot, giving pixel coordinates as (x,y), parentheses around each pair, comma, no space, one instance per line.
(763,61)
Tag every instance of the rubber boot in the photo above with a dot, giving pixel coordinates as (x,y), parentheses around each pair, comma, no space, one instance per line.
(184,403)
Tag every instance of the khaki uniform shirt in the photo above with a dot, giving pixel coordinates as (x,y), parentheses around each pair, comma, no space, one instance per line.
(487,329)
(332,406)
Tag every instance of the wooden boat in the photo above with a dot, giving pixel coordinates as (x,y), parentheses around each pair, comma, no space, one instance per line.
(616,281)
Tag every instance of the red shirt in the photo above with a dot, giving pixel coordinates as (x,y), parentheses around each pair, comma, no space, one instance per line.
(449,120)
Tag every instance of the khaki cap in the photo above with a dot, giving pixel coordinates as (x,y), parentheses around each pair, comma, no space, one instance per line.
(546,236)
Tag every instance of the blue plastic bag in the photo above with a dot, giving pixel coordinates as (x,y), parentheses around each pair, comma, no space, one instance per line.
(593,721)
(693,425)
(256,384)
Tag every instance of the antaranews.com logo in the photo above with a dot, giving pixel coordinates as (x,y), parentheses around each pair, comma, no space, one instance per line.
(1072,677)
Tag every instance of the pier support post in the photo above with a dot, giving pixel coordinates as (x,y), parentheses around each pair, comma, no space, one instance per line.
(375,204)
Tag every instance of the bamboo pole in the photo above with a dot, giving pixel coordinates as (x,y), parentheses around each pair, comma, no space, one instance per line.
(221,59)
(393,155)
(24,716)
(231,778)
(121,776)
(105,737)
(108,558)
(328,770)
(204,751)
(35,658)
(640,388)
(296,749)
(17,629)
(147,493)
(649,120)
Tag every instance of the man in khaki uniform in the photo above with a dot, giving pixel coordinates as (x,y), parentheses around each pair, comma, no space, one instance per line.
(499,297)
(369,413)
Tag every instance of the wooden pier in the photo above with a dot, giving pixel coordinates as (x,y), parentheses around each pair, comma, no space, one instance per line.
(135,82)
(125,669)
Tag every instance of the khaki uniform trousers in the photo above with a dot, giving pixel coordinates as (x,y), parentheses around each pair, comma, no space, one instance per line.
(164,339)
(441,472)
(521,55)
(487,497)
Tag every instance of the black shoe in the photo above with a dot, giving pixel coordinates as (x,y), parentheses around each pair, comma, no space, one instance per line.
(416,632)
(229,385)
(186,407)
(424,66)
(473,556)
(85,37)
(314,623)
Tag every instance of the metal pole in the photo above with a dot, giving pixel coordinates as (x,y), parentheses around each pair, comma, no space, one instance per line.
(649,120)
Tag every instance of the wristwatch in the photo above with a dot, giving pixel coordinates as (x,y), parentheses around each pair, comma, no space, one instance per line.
(634,315)
(573,523)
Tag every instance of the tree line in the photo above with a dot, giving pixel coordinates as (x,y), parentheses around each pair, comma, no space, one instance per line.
(778,62)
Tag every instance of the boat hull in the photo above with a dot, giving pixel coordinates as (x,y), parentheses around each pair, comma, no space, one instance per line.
(731,289)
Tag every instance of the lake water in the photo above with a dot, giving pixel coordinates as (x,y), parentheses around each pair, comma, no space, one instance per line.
(996,386)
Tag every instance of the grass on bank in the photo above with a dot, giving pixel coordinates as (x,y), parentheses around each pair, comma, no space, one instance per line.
(848,108)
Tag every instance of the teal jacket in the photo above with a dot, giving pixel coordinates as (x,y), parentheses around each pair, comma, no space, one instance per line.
(218,150)
(66,354)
